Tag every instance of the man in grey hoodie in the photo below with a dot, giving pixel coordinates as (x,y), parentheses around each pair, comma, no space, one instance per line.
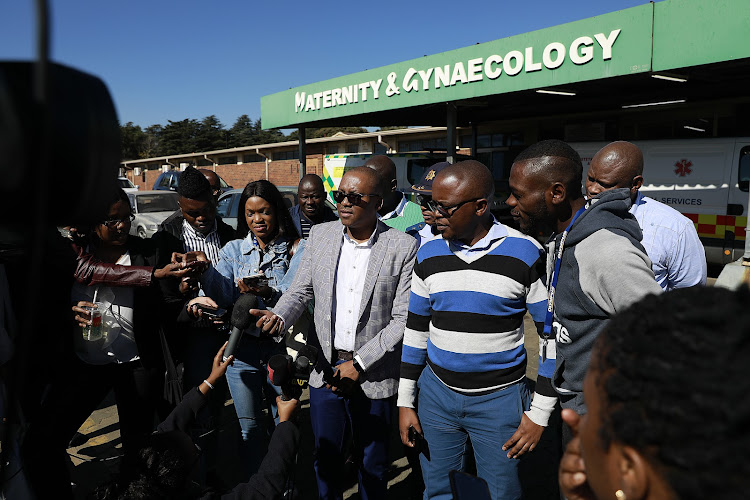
(603,268)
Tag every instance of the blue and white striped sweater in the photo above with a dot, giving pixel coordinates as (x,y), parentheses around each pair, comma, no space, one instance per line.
(466,318)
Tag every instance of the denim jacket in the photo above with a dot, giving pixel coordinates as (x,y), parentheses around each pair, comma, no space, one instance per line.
(244,257)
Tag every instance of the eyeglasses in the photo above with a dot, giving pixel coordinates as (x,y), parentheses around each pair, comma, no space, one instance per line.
(424,200)
(113,223)
(447,211)
(354,198)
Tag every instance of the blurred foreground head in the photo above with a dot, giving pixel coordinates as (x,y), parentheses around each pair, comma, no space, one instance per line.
(666,394)
(59,154)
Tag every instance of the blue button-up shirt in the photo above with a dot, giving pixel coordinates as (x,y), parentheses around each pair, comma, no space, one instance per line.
(671,242)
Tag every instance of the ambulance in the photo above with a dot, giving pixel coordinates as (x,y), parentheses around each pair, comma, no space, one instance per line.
(410,167)
(704,179)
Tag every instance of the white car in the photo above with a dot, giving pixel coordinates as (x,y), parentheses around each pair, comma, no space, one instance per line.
(126,185)
(150,209)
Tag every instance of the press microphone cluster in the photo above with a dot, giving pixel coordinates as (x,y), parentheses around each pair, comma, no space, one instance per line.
(241,320)
(292,375)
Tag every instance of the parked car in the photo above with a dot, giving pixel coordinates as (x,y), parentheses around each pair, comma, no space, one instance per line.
(126,185)
(229,202)
(167,181)
(150,209)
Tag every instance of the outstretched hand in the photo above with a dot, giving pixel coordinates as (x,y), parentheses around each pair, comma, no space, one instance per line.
(268,322)
(572,474)
(219,368)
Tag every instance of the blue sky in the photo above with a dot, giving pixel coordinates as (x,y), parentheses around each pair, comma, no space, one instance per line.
(171,60)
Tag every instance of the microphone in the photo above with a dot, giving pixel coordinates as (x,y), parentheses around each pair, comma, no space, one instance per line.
(281,374)
(241,319)
(279,369)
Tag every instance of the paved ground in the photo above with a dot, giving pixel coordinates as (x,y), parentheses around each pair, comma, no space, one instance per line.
(98,455)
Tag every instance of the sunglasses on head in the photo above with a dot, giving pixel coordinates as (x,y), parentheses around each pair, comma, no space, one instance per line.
(354,198)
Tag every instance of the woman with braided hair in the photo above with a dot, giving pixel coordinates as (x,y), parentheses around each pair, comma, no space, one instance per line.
(668,413)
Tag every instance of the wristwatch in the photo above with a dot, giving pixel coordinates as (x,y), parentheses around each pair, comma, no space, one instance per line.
(357,366)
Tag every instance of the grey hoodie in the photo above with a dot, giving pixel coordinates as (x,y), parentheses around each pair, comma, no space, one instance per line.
(604,269)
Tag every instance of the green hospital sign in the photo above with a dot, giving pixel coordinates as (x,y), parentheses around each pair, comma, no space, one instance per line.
(610,45)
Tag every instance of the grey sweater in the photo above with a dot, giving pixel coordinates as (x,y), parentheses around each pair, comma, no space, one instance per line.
(604,269)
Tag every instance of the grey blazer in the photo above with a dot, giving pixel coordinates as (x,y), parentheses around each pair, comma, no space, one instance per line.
(382,313)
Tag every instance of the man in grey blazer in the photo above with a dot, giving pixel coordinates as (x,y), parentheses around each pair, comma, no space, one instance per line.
(358,270)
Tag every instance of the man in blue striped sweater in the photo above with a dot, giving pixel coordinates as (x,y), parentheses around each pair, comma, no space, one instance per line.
(463,360)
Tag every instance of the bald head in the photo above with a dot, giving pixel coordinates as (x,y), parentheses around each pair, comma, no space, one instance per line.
(624,157)
(311,181)
(383,166)
(212,178)
(616,165)
(470,177)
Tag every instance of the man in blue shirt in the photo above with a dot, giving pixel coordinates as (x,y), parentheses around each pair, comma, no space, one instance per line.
(670,239)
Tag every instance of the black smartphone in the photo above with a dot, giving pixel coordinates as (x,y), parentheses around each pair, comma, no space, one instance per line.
(467,487)
(211,312)
(255,280)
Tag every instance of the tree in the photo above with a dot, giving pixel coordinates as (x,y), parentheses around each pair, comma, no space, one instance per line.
(179,137)
(210,135)
(132,141)
(242,132)
(152,141)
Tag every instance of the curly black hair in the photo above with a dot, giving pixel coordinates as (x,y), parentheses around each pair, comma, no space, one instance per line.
(193,184)
(674,375)
(269,192)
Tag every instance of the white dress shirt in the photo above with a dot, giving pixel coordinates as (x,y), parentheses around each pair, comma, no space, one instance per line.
(348,288)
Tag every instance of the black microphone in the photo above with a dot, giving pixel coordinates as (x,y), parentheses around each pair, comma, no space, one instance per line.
(279,369)
(281,374)
(241,319)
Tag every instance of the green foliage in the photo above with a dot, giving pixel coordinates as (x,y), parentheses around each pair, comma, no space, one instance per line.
(192,136)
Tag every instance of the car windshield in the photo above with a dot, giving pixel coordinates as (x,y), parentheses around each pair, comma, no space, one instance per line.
(125,183)
(162,202)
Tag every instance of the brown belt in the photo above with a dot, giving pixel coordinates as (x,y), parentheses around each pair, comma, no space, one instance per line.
(344,355)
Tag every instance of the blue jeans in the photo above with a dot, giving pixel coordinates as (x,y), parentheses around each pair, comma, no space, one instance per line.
(449,418)
(370,423)
(248,380)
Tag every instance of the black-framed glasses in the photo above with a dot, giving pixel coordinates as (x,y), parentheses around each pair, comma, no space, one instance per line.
(354,198)
(424,200)
(113,223)
(447,211)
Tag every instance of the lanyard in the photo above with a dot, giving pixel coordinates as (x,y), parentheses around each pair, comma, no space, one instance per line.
(553,285)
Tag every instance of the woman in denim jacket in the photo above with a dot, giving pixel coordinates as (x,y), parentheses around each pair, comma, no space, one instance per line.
(268,237)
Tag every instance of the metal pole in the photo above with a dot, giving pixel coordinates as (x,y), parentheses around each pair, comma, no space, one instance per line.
(450,134)
(302,153)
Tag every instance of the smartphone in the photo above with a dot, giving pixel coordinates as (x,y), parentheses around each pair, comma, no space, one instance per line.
(467,487)
(255,280)
(211,312)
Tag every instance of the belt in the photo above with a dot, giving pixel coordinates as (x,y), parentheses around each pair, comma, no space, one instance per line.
(344,355)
